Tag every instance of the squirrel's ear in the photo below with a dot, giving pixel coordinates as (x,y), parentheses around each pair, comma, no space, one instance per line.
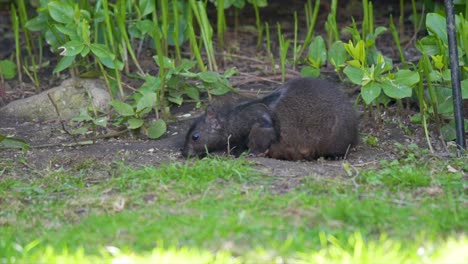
(212,118)
(263,114)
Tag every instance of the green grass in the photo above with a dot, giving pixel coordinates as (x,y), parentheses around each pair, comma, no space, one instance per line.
(223,211)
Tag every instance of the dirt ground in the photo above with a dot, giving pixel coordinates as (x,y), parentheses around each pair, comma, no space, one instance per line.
(255,75)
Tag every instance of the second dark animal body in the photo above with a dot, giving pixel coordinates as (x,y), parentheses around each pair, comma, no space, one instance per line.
(304,119)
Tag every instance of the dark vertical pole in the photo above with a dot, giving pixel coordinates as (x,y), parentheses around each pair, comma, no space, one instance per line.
(455,69)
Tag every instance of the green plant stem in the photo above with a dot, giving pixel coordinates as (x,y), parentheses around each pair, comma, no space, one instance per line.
(423,110)
(30,45)
(401,20)
(311,24)
(165,25)
(284,46)
(396,38)
(121,19)
(15,23)
(176,33)
(295,53)
(365,20)
(221,22)
(259,25)
(206,32)
(110,36)
(415,16)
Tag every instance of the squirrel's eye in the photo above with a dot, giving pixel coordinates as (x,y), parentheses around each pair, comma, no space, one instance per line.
(195,136)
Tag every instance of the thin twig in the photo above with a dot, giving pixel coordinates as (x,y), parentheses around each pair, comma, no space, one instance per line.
(62,122)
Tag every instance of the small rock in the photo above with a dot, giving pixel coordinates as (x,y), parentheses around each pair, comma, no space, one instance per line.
(69,97)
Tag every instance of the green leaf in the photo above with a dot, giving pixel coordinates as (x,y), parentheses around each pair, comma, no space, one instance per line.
(101,51)
(309,71)
(464,88)
(337,54)
(101,121)
(61,11)
(209,77)
(167,62)
(111,63)
(152,84)
(185,65)
(176,100)
(72,48)
(318,52)
(7,69)
(148,100)
(64,63)
(146,7)
(354,74)
(406,77)
(370,91)
(396,90)
(193,93)
(157,129)
(84,116)
(379,30)
(437,25)
(230,72)
(11,142)
(38,23)
(134,123)
(449,131)
(122,108)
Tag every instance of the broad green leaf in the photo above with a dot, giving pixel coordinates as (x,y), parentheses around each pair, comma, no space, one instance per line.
(152,84)
(64,63)
(310,72)
(428,45)
(220,89)
(318,52)
(145,26)
(38,23)
(7,69)
(379,30)
(72,48)
(80,130)
(101,51)
(157,129)
(436,25)
(185,65)
(146,7)
(193,93)
(61,11)
(101,121)
(354,74)
(111,63)
(209,77)
(449,131)
(148,100)
(11,142)
(84,116)
(337,54)
(406,77)
(122,108)
(464,88)
(370,91)
(230,72)
(176,100)
(134,123)
(167,62)
(396,90)
(69,29)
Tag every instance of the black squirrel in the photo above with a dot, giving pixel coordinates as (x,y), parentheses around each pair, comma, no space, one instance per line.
(303,119)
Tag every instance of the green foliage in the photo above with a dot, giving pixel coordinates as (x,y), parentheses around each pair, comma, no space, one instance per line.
(12,142)
(436,69)
(7,69)
(317,58)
